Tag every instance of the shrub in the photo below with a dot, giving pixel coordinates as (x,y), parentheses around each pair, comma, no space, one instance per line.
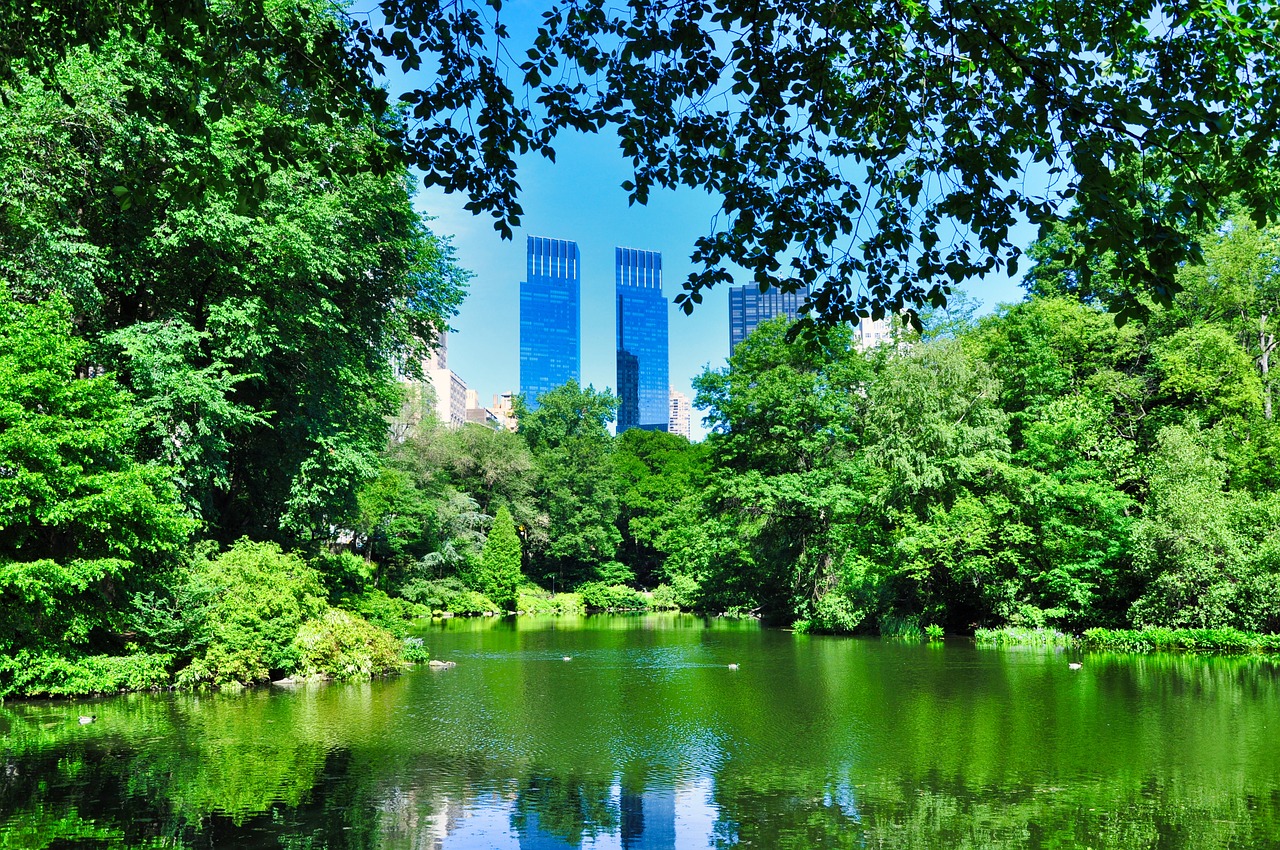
(535,600)
(836,613)
(617,597)
(343,574)
(415,651)
(448,594)
(933,632)
(248,603)
(663,598)
(340,645)
(387,612)
(470,603)
(48,674)
(1010,636)
(1195,640)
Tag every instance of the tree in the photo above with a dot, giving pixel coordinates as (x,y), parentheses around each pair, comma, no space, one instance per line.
(498,576)
(569,438)
(256,333)
(1239,285)
(655,471)
(82,523)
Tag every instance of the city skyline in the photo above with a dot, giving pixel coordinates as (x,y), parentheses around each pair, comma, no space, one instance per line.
(595,212)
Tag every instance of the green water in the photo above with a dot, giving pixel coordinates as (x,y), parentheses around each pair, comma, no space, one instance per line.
(646,739)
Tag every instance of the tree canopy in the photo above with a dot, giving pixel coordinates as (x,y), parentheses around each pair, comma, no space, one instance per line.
(876,152)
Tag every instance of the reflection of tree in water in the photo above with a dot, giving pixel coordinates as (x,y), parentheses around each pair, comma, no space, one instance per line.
(933,811)
(553,812)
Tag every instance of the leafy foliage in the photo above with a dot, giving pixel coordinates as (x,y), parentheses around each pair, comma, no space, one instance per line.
(249,604)
(882,153)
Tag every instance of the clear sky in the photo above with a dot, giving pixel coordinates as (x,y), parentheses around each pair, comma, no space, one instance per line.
(579,198)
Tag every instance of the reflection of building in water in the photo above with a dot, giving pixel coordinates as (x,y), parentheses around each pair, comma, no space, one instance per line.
(557,815)
(533,837)
(649,819)
(417,821)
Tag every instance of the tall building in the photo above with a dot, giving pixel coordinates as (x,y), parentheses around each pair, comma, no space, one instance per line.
(430,389)
(642,341)
(550,343)
(748,307)
(450,390)
(678,416)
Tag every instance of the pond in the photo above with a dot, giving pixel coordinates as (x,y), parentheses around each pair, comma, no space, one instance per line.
(646,738)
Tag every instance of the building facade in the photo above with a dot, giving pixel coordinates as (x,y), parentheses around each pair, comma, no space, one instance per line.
(449,390)
(431,389)
(550,298)
(748,307)
(679,415)
(642,340)
(872,332)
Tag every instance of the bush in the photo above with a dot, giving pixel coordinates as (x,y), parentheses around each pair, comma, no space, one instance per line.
(343,574)
(448,594)
(933,632)
(534,600)
(248,605)
(415,651)
(616,597)
(47,674)
(663,598)
(1010,636)
(387,612)
(340,645)
(835,613)
(1194,640)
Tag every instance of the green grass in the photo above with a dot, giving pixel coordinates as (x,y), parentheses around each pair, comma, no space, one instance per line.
(1190,640)
(1013,636)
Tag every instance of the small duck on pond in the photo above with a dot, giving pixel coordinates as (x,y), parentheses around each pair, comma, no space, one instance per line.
(1075,665)
(86,719)
(733,666)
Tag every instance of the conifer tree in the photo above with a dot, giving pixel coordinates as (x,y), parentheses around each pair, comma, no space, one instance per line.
(499,572)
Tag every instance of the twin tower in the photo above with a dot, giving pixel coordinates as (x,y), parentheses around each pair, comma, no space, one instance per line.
(550,332)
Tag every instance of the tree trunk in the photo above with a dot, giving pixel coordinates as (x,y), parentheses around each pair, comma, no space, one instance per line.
(1266,343)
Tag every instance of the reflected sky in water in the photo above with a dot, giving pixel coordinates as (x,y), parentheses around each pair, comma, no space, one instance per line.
(646,739)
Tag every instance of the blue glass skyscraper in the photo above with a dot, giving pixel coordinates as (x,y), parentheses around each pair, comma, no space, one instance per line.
(550,342)
(642,341)
(748,307)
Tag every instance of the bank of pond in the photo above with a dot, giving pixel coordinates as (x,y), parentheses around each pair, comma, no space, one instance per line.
(670,731)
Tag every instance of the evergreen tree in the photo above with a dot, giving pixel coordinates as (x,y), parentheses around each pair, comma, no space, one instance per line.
(499,573)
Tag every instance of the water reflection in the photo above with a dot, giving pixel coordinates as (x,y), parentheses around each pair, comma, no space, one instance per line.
(647,741)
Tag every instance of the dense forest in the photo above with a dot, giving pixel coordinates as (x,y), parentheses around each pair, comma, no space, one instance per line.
(1042,466)
(201,302)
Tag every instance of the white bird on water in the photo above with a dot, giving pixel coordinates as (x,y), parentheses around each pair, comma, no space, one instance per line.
(733,666)
(86,719)
(1075,665)
(568,658)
